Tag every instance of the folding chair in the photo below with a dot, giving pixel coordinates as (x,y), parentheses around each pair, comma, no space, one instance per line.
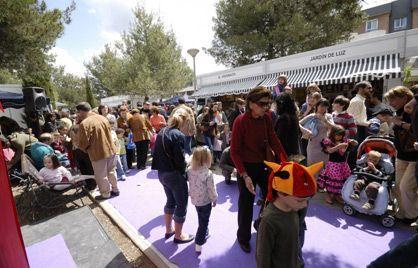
(34,186)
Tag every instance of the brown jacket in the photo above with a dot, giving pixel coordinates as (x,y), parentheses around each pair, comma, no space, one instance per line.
(140,127)
(95,137)
(189,126)
(122,122)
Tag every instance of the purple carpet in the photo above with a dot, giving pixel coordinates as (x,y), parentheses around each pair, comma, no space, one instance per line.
(52,252)
(332,240)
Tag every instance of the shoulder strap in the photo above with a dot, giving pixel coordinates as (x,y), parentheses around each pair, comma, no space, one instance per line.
(165,150)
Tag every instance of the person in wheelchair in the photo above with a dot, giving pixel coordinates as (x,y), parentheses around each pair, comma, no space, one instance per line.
(372,166)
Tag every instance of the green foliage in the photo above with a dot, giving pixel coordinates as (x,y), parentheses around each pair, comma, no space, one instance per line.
(146,62)
(90,98)
(68,88)
(28,30)
(407,70)
(248,31)
(7,77)
(109,69)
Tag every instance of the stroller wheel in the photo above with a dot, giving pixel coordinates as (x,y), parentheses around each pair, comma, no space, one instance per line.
(349,210)
(388,221)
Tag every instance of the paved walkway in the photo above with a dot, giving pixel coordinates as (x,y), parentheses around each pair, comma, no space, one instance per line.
(332,240)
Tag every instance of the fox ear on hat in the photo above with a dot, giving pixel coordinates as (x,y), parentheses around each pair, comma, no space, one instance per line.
(315,168)
(274,166)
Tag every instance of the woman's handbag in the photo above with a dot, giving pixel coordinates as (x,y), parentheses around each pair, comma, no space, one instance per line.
(311,124)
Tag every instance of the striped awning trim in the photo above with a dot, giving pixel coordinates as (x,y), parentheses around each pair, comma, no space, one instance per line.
(235,87)
(370,68)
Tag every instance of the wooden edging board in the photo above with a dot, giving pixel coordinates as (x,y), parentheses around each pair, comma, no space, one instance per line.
(136,237)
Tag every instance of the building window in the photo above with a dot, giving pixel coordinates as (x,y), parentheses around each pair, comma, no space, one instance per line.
(371,25)
(400,24)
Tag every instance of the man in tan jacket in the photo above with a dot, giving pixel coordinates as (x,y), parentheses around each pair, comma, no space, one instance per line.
(95,138)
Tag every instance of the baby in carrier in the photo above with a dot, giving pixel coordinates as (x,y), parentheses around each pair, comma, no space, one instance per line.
(372,166)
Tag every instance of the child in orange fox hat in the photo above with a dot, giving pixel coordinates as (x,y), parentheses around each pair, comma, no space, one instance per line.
(290,187)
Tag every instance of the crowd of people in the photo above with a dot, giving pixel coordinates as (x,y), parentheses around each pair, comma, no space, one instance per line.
(266,126)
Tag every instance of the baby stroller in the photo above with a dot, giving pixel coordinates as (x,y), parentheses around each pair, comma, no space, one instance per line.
(385,197)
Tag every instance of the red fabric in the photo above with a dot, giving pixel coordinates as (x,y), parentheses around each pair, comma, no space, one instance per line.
(303,183)
(12,249)
(247,142)
(1,107)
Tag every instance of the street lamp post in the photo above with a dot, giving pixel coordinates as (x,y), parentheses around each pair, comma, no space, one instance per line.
(193,52)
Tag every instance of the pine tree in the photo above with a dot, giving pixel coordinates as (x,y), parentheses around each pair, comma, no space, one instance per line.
(89,94)
(248,31)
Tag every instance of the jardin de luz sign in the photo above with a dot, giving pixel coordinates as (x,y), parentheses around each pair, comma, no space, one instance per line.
(328,55)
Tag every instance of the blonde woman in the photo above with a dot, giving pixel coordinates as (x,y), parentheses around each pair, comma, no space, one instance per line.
(405,183)
(202,191)
(169,161)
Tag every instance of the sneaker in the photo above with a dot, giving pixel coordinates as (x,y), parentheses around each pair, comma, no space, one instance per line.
(367,206)
(355,196)
(122,178)
(198,248)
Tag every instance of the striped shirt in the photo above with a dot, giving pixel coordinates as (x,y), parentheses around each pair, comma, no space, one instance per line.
(345,120)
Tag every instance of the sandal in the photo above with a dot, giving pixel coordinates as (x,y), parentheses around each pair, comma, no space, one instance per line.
(168,235)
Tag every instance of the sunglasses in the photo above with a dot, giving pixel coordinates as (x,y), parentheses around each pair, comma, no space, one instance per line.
(263,104)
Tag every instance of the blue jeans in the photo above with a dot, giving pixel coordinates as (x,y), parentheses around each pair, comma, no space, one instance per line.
(177,193)
(209,142)
(119,168)
(188,145)
(124,162)
(203,213)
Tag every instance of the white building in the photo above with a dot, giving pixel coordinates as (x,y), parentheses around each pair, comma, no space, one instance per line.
(335,69)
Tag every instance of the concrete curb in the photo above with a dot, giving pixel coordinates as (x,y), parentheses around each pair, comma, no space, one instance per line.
(136,237)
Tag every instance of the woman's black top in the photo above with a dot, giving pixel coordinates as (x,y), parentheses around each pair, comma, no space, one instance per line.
(287,130)
(172,158)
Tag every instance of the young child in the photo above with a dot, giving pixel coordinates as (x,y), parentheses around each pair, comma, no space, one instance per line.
(202,191)
(217,148)
(57,142)
(120,133)
(337,170)
(227,165)
(290,185)
(130,148)
(372,166)
(378,125)
(120,173)
(282,83)
(342,118)
(225,136)
(53,172)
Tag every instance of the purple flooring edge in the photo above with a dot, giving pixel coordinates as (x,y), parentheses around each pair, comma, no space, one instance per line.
(52,252)
(332,239)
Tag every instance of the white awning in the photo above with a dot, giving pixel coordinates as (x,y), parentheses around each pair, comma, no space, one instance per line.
(270,81)
(235,87)
(370,68)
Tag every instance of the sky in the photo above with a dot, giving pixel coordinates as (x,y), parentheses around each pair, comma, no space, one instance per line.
(99,22)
